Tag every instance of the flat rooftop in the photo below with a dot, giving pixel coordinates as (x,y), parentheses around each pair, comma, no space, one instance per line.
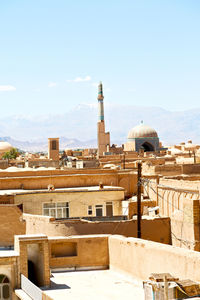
(90,285)
(62,190)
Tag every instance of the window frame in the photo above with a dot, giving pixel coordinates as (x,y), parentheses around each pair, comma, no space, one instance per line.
(47,211)
(90,210)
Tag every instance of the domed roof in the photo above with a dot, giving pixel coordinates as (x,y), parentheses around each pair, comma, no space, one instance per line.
(142,131)
(5,146)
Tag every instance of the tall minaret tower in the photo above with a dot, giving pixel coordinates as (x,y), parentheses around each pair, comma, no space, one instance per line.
(102,136)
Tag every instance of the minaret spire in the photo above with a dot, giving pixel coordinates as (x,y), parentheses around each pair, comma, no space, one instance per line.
(102,136)
(100,91)
(100,102)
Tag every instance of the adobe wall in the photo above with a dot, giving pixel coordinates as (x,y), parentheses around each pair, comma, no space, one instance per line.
(79,251)
(156,189)
(132,207)
(171,169)
(46,163)
(23,173)
(191,168)
(185,184)
(185,225)
(6,199)
(35,172)
(3,163)
(140,258)
(168,169)
(179,200)
(40,180)
(157,229)
(11,224)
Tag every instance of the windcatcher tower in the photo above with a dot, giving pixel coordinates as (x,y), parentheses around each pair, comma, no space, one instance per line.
(102,136)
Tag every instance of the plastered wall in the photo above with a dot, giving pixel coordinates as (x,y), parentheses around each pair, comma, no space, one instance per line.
(78,201)
(140,258)
(62,179)
(11,223)
(91,251)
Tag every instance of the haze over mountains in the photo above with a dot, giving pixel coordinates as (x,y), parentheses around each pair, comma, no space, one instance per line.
(77,128)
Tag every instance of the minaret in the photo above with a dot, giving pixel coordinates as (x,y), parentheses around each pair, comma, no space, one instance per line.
(102,136)
(100,102)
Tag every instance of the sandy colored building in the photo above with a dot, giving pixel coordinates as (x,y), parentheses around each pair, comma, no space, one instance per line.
(102,259)
(41,179)
(70,202)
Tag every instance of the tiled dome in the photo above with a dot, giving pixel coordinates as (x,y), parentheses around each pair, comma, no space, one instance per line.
(142,131)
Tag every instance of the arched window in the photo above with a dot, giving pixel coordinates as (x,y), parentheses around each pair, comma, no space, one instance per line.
(4,288)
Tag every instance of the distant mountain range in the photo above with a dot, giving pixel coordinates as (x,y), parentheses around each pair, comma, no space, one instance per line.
(77,128)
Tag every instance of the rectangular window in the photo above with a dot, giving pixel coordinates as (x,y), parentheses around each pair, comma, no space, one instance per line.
(90,210)
(56,210)
(99,210)
(53,145)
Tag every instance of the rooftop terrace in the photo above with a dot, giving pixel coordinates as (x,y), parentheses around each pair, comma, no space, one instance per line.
(103,284)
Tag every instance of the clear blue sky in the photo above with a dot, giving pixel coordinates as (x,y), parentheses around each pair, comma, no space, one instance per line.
(52,54)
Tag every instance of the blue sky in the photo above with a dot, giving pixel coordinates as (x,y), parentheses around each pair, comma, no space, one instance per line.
(53,53)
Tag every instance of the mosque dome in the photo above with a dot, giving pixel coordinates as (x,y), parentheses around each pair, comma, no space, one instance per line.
(5,146)
(142,131)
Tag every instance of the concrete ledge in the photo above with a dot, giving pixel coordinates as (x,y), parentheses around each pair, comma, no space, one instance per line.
(22,295)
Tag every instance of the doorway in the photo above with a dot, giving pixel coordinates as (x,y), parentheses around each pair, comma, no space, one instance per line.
(109,209)
(35,263)
(99,210)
